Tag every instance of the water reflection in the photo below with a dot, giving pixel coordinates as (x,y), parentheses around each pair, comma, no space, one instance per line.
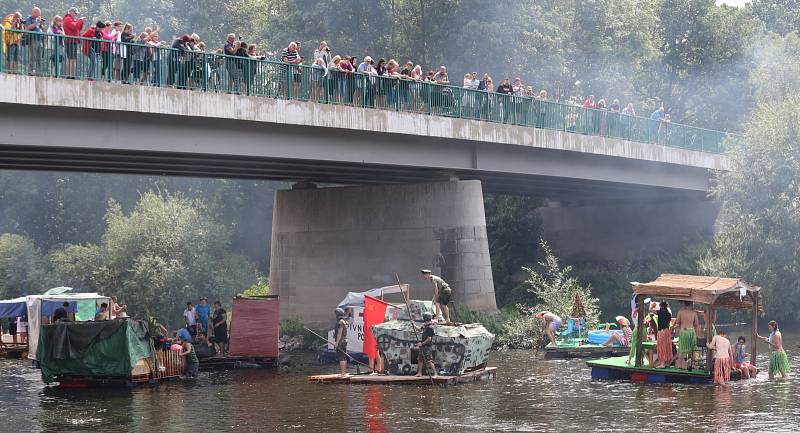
(530,394)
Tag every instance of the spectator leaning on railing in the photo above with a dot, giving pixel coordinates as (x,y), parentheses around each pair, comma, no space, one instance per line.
(114,52)
(11,40)
(72,27)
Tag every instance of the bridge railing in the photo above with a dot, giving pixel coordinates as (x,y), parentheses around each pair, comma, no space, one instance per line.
(45,54)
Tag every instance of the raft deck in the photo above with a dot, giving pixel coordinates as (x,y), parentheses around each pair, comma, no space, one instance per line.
(617,369)
(234,362)
(574,348)
(487,373)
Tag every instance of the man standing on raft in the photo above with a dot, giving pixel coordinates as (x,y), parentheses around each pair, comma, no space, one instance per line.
(441,293)
(688,326)
(341,340)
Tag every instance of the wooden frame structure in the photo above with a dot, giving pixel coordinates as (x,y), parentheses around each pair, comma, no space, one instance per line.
(711,292)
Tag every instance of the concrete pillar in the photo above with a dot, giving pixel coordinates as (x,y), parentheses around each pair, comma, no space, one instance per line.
(616,232)
(328,241)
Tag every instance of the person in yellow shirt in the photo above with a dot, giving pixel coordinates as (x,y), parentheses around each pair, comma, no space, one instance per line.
(11,40)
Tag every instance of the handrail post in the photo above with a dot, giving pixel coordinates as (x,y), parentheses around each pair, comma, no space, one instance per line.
(57,57)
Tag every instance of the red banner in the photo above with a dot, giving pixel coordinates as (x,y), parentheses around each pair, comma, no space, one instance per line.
(374,313)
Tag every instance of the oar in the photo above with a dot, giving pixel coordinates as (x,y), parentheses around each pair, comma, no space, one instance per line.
(355,361)
(414,328)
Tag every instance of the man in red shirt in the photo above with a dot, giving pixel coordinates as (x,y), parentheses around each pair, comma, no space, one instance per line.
(72,27)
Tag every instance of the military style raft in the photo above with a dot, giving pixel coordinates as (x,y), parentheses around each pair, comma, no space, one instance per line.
(460,351)
(712,293)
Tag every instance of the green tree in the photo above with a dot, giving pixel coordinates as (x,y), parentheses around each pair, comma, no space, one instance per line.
(759,237)
(514,226)
(550,287)
(779,16)
(22,269)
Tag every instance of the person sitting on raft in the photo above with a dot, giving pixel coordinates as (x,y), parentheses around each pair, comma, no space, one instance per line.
(204,348)
(723,357)
(664,336)
(778,361)
(688,327)
(740,363)
(551,324)
(623,340)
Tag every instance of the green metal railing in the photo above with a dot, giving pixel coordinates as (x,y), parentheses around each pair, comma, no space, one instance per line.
(45,54)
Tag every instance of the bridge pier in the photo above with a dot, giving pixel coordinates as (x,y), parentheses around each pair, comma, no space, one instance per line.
(328,241)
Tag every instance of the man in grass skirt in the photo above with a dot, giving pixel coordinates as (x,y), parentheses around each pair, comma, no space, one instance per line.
(688,326)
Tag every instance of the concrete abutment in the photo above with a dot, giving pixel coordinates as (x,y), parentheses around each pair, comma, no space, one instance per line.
(329,241)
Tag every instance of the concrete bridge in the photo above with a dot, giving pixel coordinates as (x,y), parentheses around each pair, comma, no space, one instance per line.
(413,184)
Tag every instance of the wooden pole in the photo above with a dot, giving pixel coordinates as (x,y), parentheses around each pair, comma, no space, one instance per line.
(639,330)
(414,328)
(709,328)
(754,328)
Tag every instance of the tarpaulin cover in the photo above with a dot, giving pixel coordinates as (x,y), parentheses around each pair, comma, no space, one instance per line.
(49,307)
(255,328)
(86,310)
(105,348)
(13,307)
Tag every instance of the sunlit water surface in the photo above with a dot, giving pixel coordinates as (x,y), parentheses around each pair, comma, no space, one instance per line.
(530,394)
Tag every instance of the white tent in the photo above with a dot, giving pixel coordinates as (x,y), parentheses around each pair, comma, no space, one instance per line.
(356,299)
(34,303)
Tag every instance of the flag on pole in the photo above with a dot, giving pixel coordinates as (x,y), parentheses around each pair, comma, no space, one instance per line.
(374,313)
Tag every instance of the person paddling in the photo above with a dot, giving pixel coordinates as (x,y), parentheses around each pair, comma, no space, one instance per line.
(341,340)
(778,361)
(425,357)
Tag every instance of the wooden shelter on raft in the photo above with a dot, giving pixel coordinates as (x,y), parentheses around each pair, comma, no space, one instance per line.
(712,293)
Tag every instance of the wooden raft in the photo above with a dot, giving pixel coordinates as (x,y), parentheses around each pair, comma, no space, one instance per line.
(487,373)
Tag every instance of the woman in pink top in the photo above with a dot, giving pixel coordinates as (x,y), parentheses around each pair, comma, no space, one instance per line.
(723,357)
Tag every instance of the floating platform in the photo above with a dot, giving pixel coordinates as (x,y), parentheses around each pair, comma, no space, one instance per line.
(576,349)
(618,369)
(234,362)
(487,373)
(13,351)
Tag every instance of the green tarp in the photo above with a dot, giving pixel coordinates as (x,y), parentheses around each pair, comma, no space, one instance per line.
(105,348)
(86,310)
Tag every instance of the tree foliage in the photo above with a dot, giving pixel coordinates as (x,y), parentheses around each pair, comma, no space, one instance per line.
(759,236)
(22,270)
(551,287)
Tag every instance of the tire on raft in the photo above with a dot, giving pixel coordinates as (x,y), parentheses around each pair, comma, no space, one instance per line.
(600,336)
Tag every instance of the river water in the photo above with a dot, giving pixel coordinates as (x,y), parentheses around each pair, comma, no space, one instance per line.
(530,394)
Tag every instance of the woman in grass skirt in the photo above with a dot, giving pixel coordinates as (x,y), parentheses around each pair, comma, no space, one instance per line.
(778,361)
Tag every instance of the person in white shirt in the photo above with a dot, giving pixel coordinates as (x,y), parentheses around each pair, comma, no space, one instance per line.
(190,318)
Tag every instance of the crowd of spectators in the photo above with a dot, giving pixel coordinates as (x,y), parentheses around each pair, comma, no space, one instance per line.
(114,51)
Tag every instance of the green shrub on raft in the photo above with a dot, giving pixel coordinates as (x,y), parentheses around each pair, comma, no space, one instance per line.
(550,288)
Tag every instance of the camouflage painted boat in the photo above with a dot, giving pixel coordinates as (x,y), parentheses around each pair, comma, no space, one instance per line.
(456,348)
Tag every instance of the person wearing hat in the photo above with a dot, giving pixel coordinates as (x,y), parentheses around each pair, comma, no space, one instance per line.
(341,340)
(425,345)
(203,312)
(441,293)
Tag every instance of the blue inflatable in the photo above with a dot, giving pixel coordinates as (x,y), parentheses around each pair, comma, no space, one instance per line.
(600,336)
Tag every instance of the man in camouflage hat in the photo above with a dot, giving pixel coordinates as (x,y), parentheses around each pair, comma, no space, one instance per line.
(425,358)
(441,293)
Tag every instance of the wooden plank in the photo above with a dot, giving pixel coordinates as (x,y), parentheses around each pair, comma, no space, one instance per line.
(473,376)
(639,329)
